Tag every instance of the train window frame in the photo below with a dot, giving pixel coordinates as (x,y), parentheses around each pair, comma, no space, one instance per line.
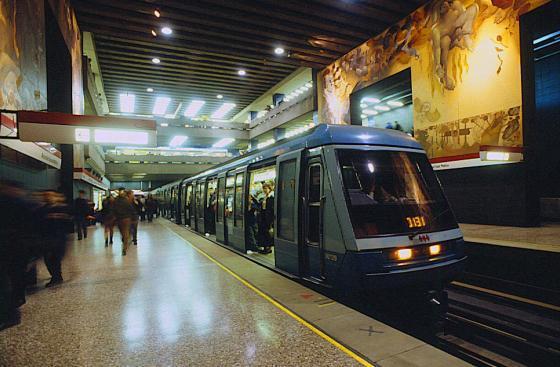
(279,201)
(238,207)
(221,199)
(315,204)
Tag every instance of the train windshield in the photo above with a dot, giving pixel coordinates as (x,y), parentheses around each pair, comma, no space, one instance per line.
(392,192)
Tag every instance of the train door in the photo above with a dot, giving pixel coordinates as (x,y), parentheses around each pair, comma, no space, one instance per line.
(210,206)
(228,208)
(220,223)
(182,196)
(286,227)
(236,235)
(193,205)
(313,252)
(200,204)
(188,202)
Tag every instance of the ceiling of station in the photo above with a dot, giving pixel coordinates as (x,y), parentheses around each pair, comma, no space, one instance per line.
(212,40)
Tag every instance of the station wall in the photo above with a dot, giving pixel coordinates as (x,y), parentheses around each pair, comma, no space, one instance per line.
(464,57)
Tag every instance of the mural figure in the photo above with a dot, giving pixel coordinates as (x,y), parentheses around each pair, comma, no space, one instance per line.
(453,27)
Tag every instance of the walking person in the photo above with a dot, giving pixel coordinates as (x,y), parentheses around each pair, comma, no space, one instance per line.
(151,207)
(123,212)
(108,219)
(134,219)
(81,213)
(55,225)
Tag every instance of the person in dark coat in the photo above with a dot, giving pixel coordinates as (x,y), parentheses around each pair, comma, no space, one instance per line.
(15,228)
(252,223)
(82,211)
(266,219)
(151,207)
(137,205)
(55,225)
(108,219)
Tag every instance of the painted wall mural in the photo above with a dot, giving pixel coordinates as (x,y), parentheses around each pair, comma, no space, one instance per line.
(465,66)
(23,83)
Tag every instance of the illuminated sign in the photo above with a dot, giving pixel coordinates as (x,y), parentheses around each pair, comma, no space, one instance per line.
(416,222)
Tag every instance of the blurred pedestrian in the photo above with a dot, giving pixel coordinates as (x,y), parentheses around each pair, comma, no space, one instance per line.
(108,218)
(16,225)
(56,223)
(123,212)
(151,207)
(81,213)
(137,205)
(142,202)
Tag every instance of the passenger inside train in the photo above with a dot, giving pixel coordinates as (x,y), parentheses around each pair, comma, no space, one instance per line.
(260,210)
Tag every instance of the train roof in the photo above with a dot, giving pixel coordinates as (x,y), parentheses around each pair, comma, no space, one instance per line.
(322,134)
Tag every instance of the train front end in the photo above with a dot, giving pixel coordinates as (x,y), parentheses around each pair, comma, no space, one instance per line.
(403,231)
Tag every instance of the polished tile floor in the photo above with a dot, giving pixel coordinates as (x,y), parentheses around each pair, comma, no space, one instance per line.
(163,304)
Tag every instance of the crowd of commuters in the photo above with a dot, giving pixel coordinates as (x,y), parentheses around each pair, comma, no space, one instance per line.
(37,227)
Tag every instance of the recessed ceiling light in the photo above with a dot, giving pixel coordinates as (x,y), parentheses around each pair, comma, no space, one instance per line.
(382,108)
(127,102)
(177,140)
(193,108)
(279,51)
(370,100)
(219,96)
(149,90)
(157,13)
(369,112)
(223,110)
(241,72)
(395,103)
(161,105)
(166,30)
(154,33)
(155,60)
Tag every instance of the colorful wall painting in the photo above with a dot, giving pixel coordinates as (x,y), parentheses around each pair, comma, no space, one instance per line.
(465,69)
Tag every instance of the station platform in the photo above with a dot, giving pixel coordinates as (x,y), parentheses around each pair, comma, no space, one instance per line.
(543,238)
(179,299)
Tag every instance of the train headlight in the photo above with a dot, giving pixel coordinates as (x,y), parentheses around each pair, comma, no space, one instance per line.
(404,254)
(435,249)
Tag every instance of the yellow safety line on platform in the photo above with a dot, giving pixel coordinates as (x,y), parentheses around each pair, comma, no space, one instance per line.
(246,283)
(510,296)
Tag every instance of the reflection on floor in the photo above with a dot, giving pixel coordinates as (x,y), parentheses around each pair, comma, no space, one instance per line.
(265,259)
(543,238)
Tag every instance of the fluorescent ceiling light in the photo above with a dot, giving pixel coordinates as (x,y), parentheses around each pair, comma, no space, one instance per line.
(241,72)
(82,135)
(161,105)
(127,102)
(223,142)
(363,105)
(370,112)
(370,100)
(309,84)
(149,90)
(382,108)
(155,60)
(395,103)
(219,96)
(177,140)
(110,136)
(279,50)
(223,110)
(164,124)
(193,108)
(497,156)
(363,115)
(166,30)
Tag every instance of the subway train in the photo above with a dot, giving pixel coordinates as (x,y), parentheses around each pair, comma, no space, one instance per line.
(354,208)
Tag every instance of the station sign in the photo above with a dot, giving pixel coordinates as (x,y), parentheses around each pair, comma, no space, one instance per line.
(63,128)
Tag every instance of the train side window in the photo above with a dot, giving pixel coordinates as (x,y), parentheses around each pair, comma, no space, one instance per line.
(238,202)
(286,200)
(188,200)
(221,192)
(314,203)
(230,183)
(200,200)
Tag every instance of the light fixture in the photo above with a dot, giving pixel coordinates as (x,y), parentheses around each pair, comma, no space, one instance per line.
(382,108)
(149,90)
(193,108)
(155,60)
(395,103)
(110,136)
(370,112)
(309,84)
(161,105)
(363,116)
(370,100)
(241,72)
(223,110)
(223,142)
(435,249)
(164,124)
(371,167)
(363,105)
(497,156)
(127,102)
(279,51)
(404,254)
(178,140)
(219,96)
(82,135)
(157,13)
(154,33)
(166,30)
